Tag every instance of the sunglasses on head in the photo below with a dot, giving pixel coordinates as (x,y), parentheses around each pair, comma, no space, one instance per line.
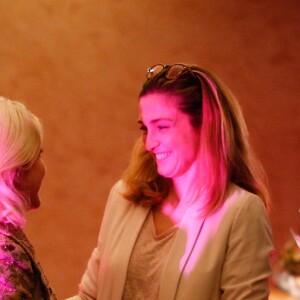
(173,71)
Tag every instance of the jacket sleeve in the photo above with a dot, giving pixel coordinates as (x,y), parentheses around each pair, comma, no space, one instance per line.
(16,272)
(88,287)
(247,264)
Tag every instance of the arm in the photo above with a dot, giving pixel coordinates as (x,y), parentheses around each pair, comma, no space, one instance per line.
(88,285)
(89,281)
(16,273)
(247,267)
(88,288)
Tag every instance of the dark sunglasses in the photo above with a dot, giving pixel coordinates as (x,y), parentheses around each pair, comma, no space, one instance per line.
(173,71)
(176,70)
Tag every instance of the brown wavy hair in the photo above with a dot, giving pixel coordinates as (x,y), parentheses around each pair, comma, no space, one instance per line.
(225,154)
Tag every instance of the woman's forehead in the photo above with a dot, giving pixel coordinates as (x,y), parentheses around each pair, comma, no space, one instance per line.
(154,105)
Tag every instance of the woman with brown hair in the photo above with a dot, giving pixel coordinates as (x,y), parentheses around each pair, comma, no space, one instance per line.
(188,220)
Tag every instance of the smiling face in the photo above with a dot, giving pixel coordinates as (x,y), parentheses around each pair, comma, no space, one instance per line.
(169,135)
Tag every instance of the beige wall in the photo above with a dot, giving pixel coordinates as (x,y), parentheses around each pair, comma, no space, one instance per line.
(79,66)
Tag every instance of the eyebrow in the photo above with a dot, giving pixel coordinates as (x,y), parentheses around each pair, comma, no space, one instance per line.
(157,120)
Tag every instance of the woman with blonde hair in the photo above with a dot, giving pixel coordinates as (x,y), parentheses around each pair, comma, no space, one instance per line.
(21,173)
(189,218)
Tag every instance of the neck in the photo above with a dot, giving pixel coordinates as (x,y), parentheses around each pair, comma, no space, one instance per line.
(184,191)
(186,186)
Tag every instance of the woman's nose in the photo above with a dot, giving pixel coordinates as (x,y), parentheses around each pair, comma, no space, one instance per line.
(151,142)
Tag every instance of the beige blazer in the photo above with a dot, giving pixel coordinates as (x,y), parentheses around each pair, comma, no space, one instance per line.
(224,256)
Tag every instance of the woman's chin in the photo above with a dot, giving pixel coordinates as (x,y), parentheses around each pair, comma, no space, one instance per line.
(35,203)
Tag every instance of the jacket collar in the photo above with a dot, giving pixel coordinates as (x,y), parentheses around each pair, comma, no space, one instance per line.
(180,254)
(178,258)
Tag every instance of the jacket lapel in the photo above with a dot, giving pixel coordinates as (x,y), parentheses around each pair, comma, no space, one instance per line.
(183,245)
(132,229)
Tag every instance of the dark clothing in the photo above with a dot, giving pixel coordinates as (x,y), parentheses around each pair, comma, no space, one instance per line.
(21,276)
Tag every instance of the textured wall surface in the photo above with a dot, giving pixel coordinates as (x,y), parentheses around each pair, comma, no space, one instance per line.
(79,66)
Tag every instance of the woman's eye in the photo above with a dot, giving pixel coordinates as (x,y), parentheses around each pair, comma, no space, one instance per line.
(162,127)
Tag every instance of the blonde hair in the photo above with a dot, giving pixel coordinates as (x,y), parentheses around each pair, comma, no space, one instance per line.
(225,154)
(20,143)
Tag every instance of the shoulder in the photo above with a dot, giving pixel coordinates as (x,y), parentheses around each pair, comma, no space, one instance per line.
(13,255)
(119,187)
(116,197)
(240,200)
(246,210)
(119,209)
(116,205)
(16,272)
(240,209)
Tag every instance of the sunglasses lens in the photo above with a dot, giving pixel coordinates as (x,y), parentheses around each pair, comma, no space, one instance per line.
(154,71)
(175,71)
